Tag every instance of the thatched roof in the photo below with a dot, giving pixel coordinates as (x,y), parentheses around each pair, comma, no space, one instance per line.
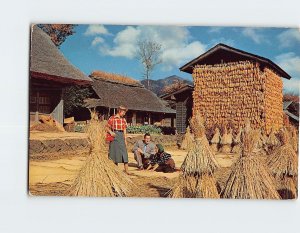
(224,53)
(132,94)
(187,87)
(47,62)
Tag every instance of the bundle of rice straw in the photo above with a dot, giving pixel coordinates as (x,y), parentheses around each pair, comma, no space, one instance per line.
(99,176)
(196,178)
(215,140)
(236,142)
(283,163)
(226,141)
(250,178)
(272,142)
(188,139)
(294,138)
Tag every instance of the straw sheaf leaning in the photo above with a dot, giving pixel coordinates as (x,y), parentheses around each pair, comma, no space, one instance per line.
(215,141)
(250,178)
(283,163)
(226,141)
(99,176)
(196,178)
(188,140)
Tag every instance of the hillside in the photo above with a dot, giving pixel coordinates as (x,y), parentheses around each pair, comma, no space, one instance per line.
(158,85)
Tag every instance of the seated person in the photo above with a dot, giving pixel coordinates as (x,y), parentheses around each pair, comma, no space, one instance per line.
(142,150)
(161,161)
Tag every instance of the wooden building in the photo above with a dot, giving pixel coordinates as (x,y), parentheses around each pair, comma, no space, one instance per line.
(231,85)
(144,107)
(182,101)
(50,72)
(291,110)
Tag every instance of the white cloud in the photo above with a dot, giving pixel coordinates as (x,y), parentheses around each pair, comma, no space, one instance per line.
(96,29)
(176,48)
(97,40)
(289,62)
(223,40)
(215,29)
(289,37)
(292,85)
(253,34)
(124,43)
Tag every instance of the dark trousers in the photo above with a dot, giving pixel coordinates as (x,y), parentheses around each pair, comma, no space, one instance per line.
(168,166)
(141,161)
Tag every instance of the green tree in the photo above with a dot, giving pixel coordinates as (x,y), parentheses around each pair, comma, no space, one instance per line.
(73,98)
(58,32)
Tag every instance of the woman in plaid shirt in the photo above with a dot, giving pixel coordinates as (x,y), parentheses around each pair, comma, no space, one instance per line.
(116,127)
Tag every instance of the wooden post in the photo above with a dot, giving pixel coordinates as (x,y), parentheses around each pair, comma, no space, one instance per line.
(37,106)
(133,118)
(149,118)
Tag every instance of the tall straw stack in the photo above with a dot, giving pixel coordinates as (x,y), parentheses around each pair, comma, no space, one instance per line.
(234,91)
(283,163)
(188,139)
(196,178)
(99,176)
(250,178)
(226,141)
(215,141)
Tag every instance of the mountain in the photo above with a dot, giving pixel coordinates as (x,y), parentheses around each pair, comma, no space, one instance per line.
(158,85)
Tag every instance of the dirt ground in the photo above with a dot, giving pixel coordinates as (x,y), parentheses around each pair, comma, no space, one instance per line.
(53,177)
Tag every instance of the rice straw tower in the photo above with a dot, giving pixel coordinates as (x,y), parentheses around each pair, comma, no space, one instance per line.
(215,140)
(99,176)
(188,139)
(283,163)
(226,141)
(196,178)
(231,85)
(236,142)
(250,178)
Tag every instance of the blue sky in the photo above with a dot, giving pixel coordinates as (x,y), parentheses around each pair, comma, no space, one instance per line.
(112,48)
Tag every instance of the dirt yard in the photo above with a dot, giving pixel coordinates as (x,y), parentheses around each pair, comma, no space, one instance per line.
(53,177)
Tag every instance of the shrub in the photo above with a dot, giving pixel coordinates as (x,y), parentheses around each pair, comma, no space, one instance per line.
(143,129)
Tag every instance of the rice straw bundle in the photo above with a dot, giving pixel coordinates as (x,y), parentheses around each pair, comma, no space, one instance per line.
(272,141)
(196,187)
(283,163)
(250,178)
(99,176)
(236,142)
(215,140)
(200,159)
(196,178)
(226,141)
(187,140)
(294,138)
(287,187)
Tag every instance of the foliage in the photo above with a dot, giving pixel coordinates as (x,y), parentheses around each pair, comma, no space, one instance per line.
(58,32)
(290,96)
(176,85)
(143,129)
(73,98)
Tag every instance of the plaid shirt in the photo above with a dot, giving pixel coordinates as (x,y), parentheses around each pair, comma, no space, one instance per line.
(117,123)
